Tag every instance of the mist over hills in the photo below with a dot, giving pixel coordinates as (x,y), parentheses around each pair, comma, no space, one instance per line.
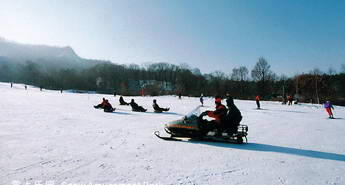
(46,56)
(61,68)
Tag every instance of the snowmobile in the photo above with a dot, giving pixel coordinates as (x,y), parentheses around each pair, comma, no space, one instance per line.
(194,127)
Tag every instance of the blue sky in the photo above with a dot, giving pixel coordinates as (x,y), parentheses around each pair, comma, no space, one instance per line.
(294,35)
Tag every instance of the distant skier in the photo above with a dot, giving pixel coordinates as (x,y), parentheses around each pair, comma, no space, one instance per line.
(328,106)
(122,101)
(290,99)
(136,107)
(257,99)
(202,100)
(233,117)
(157,108)
(26,87)
(179,95)
(11,84)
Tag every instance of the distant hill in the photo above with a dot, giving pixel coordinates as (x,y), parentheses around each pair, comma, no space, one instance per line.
(46,56)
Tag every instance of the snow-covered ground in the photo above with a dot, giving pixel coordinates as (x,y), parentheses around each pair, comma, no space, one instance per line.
(53,138)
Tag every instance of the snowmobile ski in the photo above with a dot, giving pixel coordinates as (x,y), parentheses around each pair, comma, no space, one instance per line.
(167,138)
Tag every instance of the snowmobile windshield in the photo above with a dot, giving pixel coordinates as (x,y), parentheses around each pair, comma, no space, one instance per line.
(194,113)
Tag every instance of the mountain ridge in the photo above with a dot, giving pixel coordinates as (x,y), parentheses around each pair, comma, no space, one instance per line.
(45,55)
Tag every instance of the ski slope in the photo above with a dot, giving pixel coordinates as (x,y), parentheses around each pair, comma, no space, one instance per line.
(49,137)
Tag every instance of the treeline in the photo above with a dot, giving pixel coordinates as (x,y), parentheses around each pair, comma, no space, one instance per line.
(164,78)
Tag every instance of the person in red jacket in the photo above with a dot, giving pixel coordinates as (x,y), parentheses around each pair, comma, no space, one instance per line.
(257,99)
(219,112)
(101,105)
(218,116)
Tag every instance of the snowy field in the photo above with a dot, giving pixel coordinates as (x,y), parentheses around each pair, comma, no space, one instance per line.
(53,138)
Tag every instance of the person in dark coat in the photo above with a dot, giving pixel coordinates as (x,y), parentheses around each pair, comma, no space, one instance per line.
(136,107)
(229,97)
(202,100)
(157,108)
(107,107)
(122,101)
(233,117)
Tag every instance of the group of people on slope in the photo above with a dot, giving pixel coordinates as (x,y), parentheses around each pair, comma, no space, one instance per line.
(135,107)
(327,105)
(226,119)
(289,100)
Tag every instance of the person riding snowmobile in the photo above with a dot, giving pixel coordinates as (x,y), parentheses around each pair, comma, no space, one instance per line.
(218,115)
(136,107)
(233,118)
(220,111)
(157,108)
(122,101)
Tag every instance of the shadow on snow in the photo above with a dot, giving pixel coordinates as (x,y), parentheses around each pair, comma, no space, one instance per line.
(278,149)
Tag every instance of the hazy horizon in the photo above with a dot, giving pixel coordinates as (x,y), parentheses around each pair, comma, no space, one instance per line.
(293,36)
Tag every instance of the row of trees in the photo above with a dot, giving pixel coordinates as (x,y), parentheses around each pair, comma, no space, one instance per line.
(314,86)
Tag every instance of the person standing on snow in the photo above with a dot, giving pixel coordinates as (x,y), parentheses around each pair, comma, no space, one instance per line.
(257,99)
(202,100)
(290,99)
(328,106)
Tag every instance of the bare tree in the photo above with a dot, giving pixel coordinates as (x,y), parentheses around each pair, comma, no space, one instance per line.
(342,68)
(262,74)
(261,71)
(317,78)
(331,71)
(240,74)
